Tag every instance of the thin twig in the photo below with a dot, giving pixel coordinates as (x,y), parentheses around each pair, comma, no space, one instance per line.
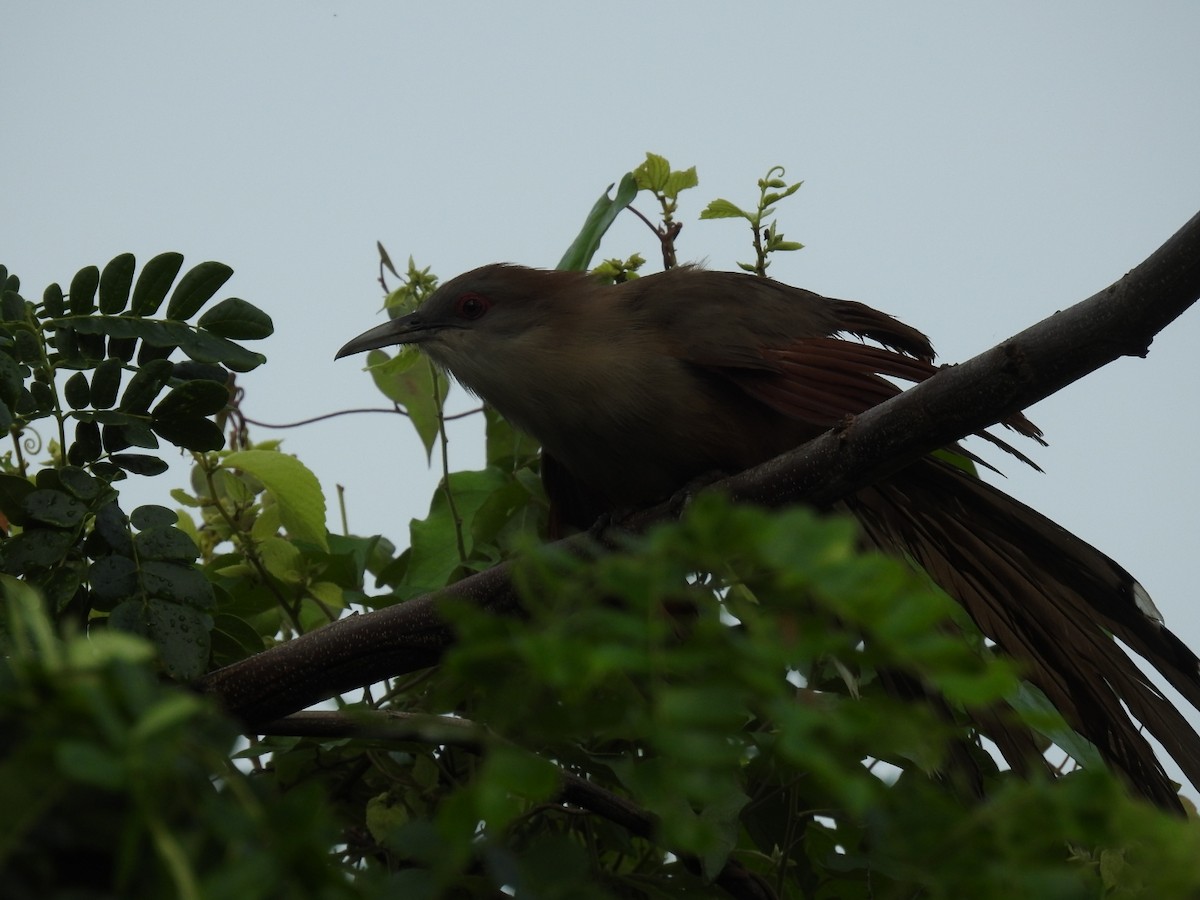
(346,412)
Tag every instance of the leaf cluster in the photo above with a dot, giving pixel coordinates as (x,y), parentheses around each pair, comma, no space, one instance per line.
(94,363)
(117,785)
(769,239)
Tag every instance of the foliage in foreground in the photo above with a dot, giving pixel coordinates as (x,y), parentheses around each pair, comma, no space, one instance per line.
(706,706)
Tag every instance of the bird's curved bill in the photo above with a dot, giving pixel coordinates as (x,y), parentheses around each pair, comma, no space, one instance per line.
(405,330)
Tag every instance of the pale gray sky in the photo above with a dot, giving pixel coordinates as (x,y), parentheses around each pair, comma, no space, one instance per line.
(968,167)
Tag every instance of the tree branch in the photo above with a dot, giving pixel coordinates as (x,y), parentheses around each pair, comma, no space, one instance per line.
(1120,320)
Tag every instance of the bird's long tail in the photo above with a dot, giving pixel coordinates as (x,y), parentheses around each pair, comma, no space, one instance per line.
(1054,603)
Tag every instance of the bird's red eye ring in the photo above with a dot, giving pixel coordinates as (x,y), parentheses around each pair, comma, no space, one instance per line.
(471,306)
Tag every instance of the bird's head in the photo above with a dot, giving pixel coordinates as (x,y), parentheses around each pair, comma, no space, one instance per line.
(477,312)
(493,328)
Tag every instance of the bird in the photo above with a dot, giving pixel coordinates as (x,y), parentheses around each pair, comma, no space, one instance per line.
(635,390)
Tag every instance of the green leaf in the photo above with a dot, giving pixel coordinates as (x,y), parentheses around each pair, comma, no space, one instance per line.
(199,345)
(122,348)
(113,578)
(723,209)
(63,583)
(294,489)
(139,463)
(281,558)
(193,399)
(77,392)
(235,638)
(196,288)
(66,343)
(408,379)
(181,634)
(166,715)
(154,282)
(199,435)
(82,298)
(208,348)
(1040,714)
(152,515)
(150,352)
(52,300)
(43,397)
(90,764)
(165,543)
(112,417)
(652,174)
(54,508)
(80,483)
(12,379)
(723,816)
(184,585)
(26,347)
(34,548)
(145,385)
(12,307)
(192,371)
(138,434)
(106,382)
(509,773)
(115,281)
(91,348)
(791,190)
(113,438)
(433,539)
(579,255)
(88,445)
(680,181)
(112,528)
(237,320)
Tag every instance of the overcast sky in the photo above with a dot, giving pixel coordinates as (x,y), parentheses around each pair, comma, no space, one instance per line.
(968,167)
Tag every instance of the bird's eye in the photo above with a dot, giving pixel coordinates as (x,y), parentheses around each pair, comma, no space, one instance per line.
(471,306)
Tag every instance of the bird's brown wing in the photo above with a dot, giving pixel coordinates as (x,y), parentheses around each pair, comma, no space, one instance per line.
(823,380)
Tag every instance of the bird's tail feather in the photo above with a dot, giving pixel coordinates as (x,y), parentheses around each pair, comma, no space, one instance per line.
(1052,602)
